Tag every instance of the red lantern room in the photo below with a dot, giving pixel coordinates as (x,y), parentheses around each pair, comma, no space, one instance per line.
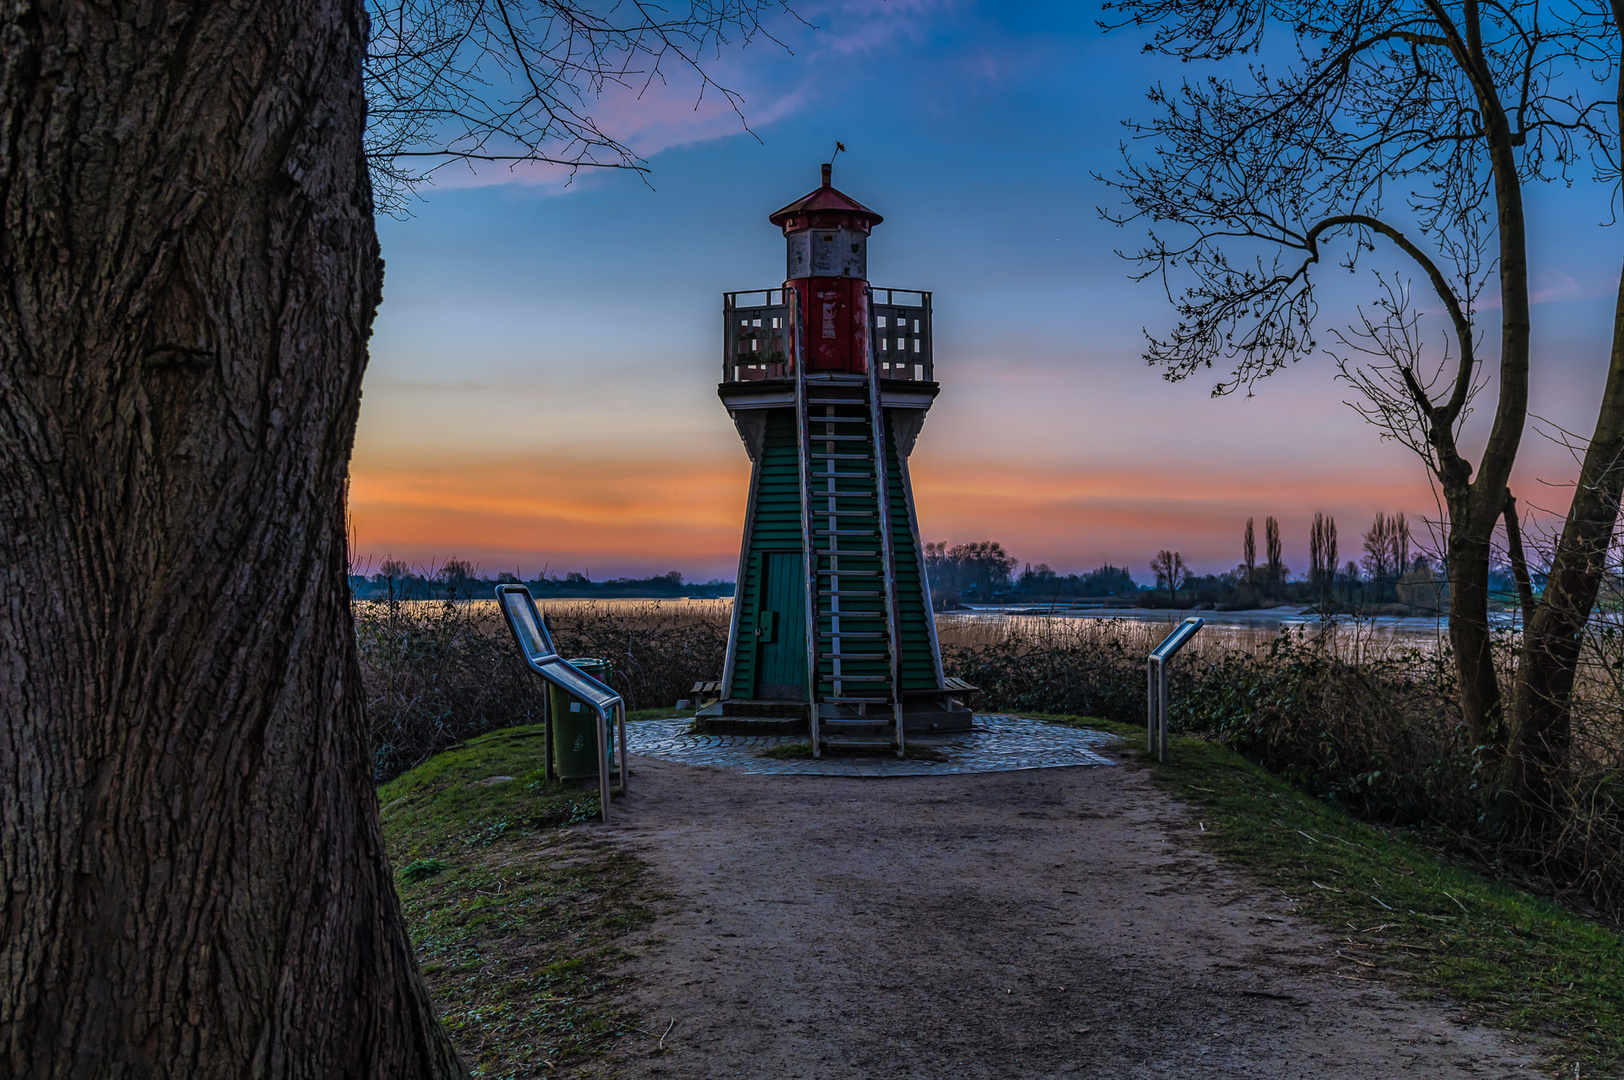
(826,241)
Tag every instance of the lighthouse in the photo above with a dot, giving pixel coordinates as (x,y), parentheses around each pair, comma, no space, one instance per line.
(828,380)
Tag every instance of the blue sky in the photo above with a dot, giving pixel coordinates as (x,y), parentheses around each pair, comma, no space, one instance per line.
(542,383)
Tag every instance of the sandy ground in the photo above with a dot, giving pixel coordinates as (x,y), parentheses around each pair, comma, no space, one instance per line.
(1052,923)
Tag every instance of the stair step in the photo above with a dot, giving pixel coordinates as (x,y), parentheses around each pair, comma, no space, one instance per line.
(852,701)
(860,741)
(845,532)
(837,401)
(738,707)
(844,513)
(860,635)
(854,656)
(854,678)
(851,592)
(820,456)
(834,438)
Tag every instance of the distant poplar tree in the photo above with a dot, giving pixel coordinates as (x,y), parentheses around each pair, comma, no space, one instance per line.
(1322,556)
(1275,569)
(1316,557)
(1249,552)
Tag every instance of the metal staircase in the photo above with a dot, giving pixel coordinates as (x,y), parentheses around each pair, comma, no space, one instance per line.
(853,645)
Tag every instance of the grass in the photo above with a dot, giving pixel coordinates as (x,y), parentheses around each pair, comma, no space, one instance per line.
(518,919)
(634,715)
(1514,960)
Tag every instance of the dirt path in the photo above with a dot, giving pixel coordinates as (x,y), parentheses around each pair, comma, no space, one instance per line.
(1054,923)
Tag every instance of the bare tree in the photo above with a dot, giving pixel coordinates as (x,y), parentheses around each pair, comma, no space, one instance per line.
(1387,551)
(1378,557)
(1168,566)
(1406,129)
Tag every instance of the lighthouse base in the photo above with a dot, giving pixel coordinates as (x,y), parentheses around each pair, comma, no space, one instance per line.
(937,714)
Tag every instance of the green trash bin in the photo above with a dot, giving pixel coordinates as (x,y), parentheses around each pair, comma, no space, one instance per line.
(575,727)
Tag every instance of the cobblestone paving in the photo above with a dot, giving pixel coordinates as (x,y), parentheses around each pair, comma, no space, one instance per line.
(995,743)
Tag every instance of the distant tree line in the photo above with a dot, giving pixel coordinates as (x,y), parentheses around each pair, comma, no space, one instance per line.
(1391,575)
(983,572)
(457,579)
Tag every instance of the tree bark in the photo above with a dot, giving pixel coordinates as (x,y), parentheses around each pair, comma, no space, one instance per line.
(1540,729)
(195,882)
(1467,555)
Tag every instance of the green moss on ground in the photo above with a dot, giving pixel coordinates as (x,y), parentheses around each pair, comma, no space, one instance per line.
(1515,960)
(518,920)
(658,714)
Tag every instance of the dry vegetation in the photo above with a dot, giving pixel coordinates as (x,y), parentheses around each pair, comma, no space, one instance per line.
(1358,717)
(438,672)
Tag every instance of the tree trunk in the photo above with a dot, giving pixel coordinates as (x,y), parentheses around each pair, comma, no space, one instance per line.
(1467,557)
(1540,727)
(195,879)
(1474,507)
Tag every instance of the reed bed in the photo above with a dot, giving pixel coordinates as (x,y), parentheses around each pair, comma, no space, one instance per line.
(1356,715)
(438,672)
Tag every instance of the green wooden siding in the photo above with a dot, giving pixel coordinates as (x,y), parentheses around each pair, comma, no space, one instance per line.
(918,666)
(777,527)
(775,546)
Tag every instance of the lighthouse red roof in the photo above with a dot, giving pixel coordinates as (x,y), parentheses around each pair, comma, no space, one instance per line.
(825,208)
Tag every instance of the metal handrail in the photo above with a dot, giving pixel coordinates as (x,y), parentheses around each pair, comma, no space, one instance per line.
(809,554)
(536,645)
(1156,681)
(882,496)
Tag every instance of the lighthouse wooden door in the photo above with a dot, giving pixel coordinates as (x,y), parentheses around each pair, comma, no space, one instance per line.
(781,628)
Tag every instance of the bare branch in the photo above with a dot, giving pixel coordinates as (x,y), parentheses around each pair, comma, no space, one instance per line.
(515,80)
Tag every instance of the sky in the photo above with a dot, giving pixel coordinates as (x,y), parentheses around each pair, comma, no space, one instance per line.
(541,393)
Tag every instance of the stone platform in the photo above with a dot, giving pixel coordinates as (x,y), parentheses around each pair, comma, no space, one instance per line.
(994,743)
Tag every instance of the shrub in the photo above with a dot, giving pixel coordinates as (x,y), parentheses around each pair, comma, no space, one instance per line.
(438,672)
(1374,729)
